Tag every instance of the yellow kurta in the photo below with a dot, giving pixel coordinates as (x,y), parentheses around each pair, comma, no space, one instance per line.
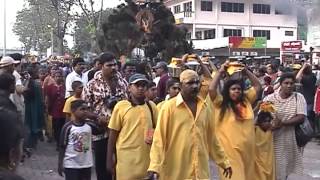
(264,162)
(160,104)
(182,143)
(131,150)
(237,138)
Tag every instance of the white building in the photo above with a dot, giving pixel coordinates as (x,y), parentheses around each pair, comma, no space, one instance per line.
(209,22)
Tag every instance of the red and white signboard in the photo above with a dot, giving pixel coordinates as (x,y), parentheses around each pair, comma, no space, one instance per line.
(291,46)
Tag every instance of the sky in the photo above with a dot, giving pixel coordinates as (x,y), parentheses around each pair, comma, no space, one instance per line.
(12,7)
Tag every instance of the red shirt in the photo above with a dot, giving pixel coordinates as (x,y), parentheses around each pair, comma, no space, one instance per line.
(161,88)
(56,100)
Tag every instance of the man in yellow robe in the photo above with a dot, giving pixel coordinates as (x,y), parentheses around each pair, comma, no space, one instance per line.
(185,137)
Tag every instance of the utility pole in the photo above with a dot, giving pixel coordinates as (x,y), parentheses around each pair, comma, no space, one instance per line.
(4,28)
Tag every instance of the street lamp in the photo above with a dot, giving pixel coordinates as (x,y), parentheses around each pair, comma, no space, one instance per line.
(4,28)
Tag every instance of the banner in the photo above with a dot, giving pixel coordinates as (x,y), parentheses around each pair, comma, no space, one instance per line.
(291,46)
(248,42)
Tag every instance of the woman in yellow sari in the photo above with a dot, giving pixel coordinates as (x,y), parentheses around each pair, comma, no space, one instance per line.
(234,121)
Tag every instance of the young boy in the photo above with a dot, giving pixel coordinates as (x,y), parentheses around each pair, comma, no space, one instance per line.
(151,93)
(131,131)
(75,155)
(77,91)
(264,161)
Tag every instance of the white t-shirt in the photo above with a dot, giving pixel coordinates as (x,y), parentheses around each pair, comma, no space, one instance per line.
(73,76)
(79,149)
(18,99)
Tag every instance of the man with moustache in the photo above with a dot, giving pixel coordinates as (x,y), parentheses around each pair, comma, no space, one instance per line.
(184,138)
(106,86)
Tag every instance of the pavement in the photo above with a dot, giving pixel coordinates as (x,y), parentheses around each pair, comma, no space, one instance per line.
(42,165)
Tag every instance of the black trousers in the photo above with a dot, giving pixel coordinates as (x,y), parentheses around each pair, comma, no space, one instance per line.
(77,174)
(57,124)
(100,153)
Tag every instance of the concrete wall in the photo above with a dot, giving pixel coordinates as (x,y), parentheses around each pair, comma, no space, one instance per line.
(247,21)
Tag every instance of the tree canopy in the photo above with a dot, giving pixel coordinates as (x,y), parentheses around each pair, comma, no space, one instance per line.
(122,33)
(114,30)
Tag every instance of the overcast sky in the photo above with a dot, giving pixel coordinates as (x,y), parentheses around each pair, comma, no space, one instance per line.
(12,6)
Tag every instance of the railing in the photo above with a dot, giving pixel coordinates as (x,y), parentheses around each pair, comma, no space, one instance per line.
(184,14)
(187,13)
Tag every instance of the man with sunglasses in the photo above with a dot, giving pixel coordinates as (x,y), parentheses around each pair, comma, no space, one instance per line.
(106,88)
(131,130)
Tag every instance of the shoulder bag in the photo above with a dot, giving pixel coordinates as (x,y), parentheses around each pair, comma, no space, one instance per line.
(304,131)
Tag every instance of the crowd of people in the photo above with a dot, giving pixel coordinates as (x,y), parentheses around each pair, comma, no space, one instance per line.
(131,121)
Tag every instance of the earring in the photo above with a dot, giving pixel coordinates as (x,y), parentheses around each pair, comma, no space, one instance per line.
(12,166)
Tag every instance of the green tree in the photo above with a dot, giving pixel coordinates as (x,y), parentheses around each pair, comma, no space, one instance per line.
(92,23)
(55,15)
(122,33)
(86,33)
(30,32)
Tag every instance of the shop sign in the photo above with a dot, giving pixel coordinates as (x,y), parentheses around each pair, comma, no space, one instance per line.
(248,42)
(236,53)
(245,53)
(291,46)
(253,53)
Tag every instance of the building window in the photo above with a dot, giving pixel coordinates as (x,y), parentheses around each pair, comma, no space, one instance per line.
(261,8)
(176,9)
(199,35)
(232,7)
(210,34)
(187,7)
(282,10)
(188,36)
(232,32)
(206,5)
(261,33)
(288,33)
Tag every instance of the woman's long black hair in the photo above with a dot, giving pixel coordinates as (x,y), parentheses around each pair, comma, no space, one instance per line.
(227,102)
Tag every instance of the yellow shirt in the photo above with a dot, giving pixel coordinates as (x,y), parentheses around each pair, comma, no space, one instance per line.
(67,104)
(160,104)
(264,161)
(182,143)
(237,137)
(132,152)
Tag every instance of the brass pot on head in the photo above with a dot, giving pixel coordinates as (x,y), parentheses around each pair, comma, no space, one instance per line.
(234,70)
(175,67)
(192,62)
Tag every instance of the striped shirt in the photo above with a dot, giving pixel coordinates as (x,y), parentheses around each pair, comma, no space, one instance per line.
(287,154)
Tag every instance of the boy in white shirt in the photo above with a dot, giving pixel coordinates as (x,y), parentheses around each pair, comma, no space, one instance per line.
(75,149)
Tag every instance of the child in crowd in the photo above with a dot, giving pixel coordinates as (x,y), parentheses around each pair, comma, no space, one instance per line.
(75,153)
(264,161)
(77,91)
(173,89)
(151,93)
(268,89)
